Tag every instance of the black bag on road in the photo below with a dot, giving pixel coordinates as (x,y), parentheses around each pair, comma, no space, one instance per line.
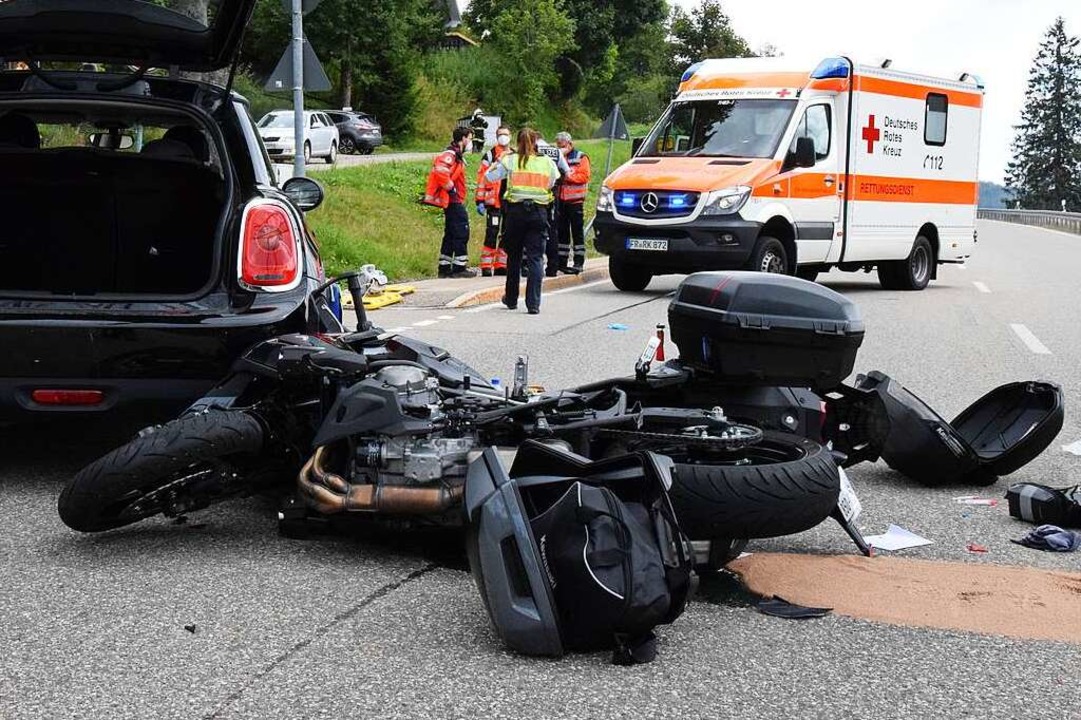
(574,555)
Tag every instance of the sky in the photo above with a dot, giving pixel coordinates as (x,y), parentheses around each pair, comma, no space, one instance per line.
(995,39)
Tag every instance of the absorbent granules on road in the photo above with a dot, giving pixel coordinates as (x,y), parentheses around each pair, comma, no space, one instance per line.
(982,598)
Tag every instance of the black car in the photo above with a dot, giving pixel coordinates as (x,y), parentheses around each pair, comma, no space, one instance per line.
(146,242)
(359,133)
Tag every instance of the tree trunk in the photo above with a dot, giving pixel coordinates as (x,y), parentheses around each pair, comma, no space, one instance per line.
(197,10)
(347,82)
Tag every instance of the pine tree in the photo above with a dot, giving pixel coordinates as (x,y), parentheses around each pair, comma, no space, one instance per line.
(1046,169)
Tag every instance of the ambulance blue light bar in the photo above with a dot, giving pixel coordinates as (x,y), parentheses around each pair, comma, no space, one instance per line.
(689,72)
(834,67)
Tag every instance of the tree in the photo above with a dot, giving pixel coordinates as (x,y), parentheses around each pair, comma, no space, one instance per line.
(528,36)
(1046,169)
(371,49)
(704,33)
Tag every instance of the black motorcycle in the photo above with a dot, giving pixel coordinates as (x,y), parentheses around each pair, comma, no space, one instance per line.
(386,426)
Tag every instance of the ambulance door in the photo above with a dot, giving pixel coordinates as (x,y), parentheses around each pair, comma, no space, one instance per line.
(815,192)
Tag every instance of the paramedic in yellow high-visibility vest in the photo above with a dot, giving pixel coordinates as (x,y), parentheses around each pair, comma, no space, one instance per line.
(530,177)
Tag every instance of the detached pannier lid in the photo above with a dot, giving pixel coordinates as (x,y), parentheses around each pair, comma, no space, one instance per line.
(752,298)
(1009,426)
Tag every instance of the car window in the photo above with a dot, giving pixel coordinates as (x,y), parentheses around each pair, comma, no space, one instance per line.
(277,120)
(815,124)
(314,121)
(326,120)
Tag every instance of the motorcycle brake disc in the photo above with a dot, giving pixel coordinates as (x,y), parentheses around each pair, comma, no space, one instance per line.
(733,437)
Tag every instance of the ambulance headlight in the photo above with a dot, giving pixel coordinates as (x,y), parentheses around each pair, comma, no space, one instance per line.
(727,201)
(604,199)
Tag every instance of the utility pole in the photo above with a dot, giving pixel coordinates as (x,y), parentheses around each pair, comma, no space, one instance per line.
(298,89)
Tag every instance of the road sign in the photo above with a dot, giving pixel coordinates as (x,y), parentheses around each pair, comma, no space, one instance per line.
(614,126)
(307,5)
(315,79)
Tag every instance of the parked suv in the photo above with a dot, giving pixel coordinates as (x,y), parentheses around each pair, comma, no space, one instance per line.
(145,242)
(320,135)
(360,133)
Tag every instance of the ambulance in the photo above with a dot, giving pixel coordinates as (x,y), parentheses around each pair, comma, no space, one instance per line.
(760,164)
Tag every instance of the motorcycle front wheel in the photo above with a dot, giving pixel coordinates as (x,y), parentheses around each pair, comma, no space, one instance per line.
(187,464)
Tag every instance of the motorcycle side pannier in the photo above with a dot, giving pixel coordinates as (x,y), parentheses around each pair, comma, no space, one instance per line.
(574,555)
(766,329)
(996,435)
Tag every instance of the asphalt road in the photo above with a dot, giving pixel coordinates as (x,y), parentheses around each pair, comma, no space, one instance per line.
(392,627)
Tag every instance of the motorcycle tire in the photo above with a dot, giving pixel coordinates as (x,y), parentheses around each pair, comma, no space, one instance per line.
(782,485)
(102,495)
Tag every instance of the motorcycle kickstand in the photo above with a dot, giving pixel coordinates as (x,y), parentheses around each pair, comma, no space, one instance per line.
(853,532)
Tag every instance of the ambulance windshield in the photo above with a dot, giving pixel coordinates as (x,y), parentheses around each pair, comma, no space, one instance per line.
(720,128)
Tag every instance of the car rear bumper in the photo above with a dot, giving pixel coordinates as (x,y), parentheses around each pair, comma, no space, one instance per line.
(162,362)
(716,243)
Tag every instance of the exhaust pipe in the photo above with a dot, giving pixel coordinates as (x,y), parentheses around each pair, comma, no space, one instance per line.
(330,494)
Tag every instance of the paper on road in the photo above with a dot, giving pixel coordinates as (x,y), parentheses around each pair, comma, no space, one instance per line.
(896,538)
(1073,448)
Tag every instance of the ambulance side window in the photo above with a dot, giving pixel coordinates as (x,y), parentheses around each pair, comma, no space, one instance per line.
(817,126)
(934,125)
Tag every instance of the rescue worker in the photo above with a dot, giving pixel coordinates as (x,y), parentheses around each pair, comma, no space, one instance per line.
(493,258)
(570,198)
(446,189)
(551,247)
(530,177)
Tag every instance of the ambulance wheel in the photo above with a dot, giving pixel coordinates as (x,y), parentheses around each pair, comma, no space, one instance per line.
(307,152)
(912,273)
(769,256)
(782,485)
(626,277)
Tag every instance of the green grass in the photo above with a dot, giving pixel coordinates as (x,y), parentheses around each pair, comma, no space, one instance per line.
(371,214)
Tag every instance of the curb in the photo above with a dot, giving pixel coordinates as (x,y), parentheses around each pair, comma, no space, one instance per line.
(495,294)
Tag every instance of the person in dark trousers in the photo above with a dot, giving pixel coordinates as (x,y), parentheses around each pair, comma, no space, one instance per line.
(570,198)
(446,189)
(530,177)
(493,257)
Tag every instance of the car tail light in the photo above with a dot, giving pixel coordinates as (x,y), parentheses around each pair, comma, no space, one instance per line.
(67,397)
(268,252)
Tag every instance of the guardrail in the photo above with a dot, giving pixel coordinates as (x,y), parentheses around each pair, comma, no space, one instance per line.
(1063,222)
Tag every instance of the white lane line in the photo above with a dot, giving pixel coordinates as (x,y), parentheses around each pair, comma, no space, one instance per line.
(575,288)
(424,323)
(445,317)
(1031,341)
(981,287)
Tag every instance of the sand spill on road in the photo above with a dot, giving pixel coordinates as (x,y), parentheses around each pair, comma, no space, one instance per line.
(1004,600)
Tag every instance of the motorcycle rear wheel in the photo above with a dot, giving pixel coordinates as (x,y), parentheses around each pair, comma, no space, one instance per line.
(186,464)
(782,485)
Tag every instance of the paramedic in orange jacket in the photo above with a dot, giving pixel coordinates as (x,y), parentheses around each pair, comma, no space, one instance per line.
(571,197)
(446,189)
(493,258)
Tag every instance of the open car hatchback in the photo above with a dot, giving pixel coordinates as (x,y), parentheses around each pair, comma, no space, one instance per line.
(147,242)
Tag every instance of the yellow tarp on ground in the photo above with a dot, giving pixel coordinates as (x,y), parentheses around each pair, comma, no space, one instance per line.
(389,295)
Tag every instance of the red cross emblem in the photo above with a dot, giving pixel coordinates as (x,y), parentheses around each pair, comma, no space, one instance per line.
(783,93)
(871,134)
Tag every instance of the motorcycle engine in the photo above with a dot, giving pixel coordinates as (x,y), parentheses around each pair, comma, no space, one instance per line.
(414,459)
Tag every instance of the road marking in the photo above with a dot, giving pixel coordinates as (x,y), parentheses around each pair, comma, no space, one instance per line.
(575,288)
(1031,341)
(446,317)
(425,323)
(961,267)
(981,287)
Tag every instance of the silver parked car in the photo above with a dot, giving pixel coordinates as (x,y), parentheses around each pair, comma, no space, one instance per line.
(320,135)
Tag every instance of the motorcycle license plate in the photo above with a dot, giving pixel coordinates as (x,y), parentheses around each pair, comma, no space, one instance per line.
(847,501)
(647,244)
